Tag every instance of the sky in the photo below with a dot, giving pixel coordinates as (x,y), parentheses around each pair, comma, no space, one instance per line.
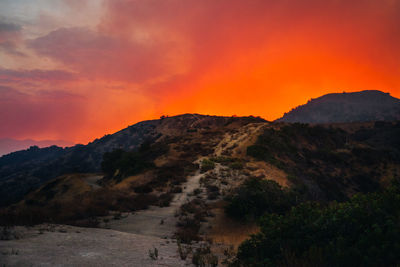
(79,69)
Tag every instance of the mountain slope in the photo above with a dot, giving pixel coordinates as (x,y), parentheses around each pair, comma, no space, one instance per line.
(361,106)
(26,170)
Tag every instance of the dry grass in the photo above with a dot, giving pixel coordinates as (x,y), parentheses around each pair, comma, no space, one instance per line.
(227,231)
(237,142)
(63,189)
(261,169)
(135,181)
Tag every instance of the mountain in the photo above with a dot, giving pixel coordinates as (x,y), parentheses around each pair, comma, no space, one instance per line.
(194,177)
(26,170)
(361,106)
(8,145)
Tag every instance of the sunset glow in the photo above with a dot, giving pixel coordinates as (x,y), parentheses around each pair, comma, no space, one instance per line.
(76,70)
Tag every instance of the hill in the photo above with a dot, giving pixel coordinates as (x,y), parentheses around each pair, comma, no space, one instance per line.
(8,145)
(26,170)
(216,180)
(361,106)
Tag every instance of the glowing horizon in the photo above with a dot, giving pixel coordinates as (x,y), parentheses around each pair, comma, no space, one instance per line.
(77,70)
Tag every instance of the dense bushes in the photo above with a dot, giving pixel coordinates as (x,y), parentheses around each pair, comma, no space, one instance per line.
(120,163)
(82,210)
(256,197)
(327,161)
(361,232)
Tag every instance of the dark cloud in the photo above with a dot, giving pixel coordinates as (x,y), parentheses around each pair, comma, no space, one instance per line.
(9,75)
(9,27)
(10,39)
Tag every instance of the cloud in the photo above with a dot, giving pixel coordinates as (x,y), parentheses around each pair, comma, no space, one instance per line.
(40,115)
(11,48)
(265,49)
(10,39)
(135,59)
(8,75)
(98,56)
(9,27)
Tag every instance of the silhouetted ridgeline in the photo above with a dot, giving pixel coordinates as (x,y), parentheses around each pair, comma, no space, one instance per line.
(347,107)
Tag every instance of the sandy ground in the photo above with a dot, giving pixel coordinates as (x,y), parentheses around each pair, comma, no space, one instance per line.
(126,243)
(74,246)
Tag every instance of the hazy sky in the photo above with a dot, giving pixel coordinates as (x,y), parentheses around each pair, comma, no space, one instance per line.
(76,70)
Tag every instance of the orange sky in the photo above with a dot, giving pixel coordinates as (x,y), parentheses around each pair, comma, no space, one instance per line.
(76,70)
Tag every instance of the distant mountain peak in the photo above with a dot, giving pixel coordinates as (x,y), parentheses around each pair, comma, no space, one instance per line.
(368,105)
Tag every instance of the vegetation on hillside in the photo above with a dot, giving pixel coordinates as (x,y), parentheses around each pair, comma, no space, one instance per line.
(363,231)
(330,163)
(319,221)
(257,197)
(118,163)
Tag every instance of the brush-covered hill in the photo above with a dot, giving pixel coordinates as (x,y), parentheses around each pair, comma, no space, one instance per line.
(361,106)
(217,180)
(26,170)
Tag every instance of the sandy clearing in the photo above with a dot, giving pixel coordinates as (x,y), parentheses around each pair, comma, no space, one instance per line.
(127,243)
(76,246)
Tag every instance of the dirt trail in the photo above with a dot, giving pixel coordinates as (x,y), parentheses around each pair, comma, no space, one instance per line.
(74,246)
(157,221)
(127,243)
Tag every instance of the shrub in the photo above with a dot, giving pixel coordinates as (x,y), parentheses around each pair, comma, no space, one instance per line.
(207,165)
(176,189)
(189,230)
(361,232)
(8,233)
(143,189)
(237,165)
(256,197)
(203,257)
(183,250)
(197,191)
(153,254)
(165,199)
(121,163)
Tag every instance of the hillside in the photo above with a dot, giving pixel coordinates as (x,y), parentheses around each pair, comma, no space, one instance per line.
(194,186)
(346,107)
(26,170)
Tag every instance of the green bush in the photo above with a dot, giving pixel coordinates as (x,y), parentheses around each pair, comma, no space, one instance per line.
(207,165)
(120,163)
(237,165)
(256,197)
(361,232)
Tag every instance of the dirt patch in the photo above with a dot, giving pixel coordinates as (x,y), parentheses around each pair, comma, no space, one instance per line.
(74,246)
